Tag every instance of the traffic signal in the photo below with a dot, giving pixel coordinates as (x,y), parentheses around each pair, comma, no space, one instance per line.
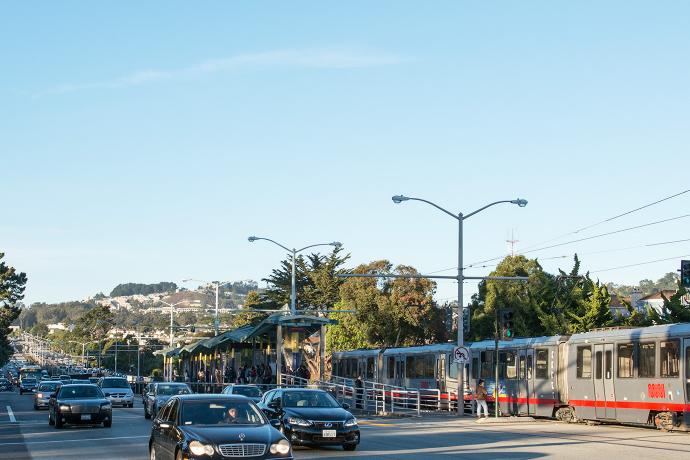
(507,327)
(466,320)
(685,273)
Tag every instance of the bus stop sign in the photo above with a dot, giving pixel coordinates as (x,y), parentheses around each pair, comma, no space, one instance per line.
(461,355)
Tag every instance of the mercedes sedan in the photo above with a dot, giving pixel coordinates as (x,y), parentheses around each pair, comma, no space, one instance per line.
(79,404)
(311,417)
(214,427)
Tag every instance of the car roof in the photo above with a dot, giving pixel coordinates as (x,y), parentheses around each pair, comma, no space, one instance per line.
(310,390)
(79,385)
(51,381)
(181,384)
(210,397)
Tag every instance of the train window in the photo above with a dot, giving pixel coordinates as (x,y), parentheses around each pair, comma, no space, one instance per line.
(335,370)
(608,363)
(647,363)
(475,368)
(687,365)
(542,371)
(598,365)
(487,358)
(522,367)
(669,359)
(584,362)
(502,358)
(511,366)
(370,368)
(391,367)
(625,360)
(529,366)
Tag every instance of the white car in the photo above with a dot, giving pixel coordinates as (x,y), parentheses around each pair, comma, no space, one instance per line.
(117,390)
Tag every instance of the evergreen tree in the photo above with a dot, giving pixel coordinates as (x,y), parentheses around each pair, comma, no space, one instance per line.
(12,285)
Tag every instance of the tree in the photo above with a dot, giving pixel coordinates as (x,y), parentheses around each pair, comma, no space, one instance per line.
(316,283)
(95,324)
(597,311)
(388,312)
(252,301)
(673,310)
(12,285)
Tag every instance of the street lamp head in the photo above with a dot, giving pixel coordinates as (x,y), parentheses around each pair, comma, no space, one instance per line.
(186,280)
(337,244)
(252,239)
(520,202)
(397,199)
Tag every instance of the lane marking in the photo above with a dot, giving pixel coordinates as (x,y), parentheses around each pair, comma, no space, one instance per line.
(72,440)
(11,414)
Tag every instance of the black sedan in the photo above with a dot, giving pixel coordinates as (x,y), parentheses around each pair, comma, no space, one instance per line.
(214,427)
(312,417)
(157,395)
(79,404)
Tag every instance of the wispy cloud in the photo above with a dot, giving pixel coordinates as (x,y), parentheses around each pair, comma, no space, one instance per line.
(314,59)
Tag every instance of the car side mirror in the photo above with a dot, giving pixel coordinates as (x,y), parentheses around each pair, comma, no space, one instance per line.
(275,423)
(345,406)
(275,405)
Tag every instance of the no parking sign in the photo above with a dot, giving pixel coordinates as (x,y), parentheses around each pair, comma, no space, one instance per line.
(461,355)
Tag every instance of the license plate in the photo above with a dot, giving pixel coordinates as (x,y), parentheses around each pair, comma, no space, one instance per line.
(86,416)
(328,433)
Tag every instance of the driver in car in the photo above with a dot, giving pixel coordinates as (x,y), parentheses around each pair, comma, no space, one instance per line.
(230,415)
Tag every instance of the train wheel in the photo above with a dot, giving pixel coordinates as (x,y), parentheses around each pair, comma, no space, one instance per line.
(566,414)
(665,421)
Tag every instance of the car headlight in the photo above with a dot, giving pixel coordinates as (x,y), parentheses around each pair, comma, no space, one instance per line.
(197,448)
(65,407)
(298,421)
(350,422)
(280,447)
(39,395)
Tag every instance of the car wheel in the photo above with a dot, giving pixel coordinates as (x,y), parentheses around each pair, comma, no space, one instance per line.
(146,413)
(58,423)
(131,405)
(349,447)
(35,407)
(107,423)
(178,455)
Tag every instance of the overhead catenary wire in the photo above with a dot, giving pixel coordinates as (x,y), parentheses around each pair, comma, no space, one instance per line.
(639,263)
(609,219)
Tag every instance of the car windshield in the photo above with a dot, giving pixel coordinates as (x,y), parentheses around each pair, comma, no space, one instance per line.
(250,392)
(114,383)
(220,412)
(80,391)
(308,399)
(29,381)
(170,390)
(48,386)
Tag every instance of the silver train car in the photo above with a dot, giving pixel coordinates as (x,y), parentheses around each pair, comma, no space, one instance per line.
(637,376)
(425,367)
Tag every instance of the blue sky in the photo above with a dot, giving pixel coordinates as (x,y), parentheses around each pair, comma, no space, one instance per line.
(143,142)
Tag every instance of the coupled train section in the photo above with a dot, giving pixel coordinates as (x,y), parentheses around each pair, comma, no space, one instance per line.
(633,376)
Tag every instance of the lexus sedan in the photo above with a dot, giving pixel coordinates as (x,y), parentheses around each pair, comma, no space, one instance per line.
(43,392)
(250,391)
(157,395)
(311,417)
(79,404)
(214,427)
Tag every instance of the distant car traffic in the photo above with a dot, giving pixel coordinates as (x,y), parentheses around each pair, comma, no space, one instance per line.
(214,427)
(117,390)
(66,379)
(157,394)
(312,417)
(80,404)
(27,385)
(43,392)
(5,385)
(250,391)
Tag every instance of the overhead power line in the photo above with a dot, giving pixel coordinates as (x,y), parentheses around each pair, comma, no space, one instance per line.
(610,218)
(640,263)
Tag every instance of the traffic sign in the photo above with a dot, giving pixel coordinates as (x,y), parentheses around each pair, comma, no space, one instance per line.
(461,355)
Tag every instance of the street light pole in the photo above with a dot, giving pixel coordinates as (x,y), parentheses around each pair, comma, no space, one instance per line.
(397,199)
(218,285)
(293,284)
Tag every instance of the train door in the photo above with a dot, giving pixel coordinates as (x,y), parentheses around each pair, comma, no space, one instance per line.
(441,372)
(686,346)
(524,385)
(399,371)
(603,381)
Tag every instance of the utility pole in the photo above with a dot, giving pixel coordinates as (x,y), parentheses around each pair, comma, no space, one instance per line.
(496,337)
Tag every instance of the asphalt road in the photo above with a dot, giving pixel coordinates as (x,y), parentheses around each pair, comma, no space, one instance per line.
(25,433)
